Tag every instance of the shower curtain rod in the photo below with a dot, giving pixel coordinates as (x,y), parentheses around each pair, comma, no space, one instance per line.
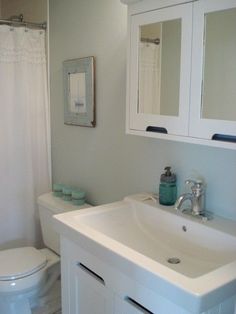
(18,21)
(155,41)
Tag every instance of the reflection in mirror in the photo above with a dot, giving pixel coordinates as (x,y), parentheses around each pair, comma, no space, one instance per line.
(77,92)
(219,88)
(159,68)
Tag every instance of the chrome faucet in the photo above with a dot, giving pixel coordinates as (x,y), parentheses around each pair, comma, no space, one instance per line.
(196,198)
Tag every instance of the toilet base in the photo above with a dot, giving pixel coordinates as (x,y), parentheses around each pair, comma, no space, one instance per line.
(33,303)
(50,303)
(20,306)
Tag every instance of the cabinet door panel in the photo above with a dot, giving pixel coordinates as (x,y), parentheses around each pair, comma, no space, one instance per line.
(213,92)
(90,294)
(159,77)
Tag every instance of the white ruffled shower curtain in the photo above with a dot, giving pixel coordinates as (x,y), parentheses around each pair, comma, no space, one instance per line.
(24,134)
(149,78)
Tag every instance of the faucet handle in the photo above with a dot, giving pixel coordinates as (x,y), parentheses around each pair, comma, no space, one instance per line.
(196,184)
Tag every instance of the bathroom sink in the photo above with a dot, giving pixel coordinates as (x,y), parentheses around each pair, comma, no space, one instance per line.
(195,260)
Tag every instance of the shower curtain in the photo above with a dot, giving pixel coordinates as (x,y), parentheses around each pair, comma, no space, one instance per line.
(24,134)
(149,78)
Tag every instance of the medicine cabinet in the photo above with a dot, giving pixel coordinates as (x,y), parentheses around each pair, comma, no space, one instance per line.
(181,74)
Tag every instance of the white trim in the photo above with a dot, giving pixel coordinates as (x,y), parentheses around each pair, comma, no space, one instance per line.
(128,2)
(49,97)
(184,139)
(160,66)
(128,74)
(150,5)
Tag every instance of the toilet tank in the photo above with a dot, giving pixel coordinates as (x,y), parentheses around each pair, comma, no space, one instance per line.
(48,206)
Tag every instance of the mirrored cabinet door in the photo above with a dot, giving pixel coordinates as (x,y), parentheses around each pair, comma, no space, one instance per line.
(159,74)
(213,101)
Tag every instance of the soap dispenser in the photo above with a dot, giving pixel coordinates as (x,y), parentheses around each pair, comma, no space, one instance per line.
(167,188)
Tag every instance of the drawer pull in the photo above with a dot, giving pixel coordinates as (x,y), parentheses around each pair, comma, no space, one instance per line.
(224,138)
(156,129)
(137,305)
(91,273)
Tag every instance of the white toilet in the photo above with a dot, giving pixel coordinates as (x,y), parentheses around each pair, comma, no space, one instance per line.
(27,273)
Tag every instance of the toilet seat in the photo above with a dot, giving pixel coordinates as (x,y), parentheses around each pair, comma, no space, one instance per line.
(27,282)
(20,262)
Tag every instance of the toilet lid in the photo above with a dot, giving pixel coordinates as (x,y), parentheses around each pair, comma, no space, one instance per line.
(20,262)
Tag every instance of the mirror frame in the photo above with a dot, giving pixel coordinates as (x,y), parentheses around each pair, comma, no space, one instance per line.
(174,125)
(86,66)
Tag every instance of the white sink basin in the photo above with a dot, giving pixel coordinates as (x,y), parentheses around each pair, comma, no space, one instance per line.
(159,235)
(148,235)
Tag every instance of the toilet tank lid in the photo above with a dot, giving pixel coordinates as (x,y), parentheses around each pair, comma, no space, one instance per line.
(20,262)
(56,204)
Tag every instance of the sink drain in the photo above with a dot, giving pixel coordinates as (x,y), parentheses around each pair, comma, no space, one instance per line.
(173,260)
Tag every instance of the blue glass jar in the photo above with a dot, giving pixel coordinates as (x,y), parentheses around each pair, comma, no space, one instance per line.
(167,188)
(58,189)
(67,193)
(78,197)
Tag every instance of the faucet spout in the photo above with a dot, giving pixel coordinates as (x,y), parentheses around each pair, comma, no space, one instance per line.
(197,201)
(196,198)
(181,200)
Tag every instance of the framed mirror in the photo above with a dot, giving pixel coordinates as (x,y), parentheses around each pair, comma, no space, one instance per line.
(78,80)
(213,111)
(159,68)
(219,66)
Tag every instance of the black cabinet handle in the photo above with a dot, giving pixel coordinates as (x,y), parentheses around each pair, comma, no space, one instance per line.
(224,138)
(156,129)
(138,306)
(91,273)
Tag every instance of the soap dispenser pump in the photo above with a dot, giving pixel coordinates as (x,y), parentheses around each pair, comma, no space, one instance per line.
(167,188)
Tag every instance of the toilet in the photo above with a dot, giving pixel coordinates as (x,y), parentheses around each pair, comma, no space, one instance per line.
(28,273)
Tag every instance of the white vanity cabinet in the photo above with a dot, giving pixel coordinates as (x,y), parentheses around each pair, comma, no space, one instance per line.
(181,72)
(89,292)
(83,291)
(91,285)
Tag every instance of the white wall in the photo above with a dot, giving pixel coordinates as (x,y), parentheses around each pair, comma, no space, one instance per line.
(104,161)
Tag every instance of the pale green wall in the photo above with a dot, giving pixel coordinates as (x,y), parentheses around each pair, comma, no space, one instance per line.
(105,161)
